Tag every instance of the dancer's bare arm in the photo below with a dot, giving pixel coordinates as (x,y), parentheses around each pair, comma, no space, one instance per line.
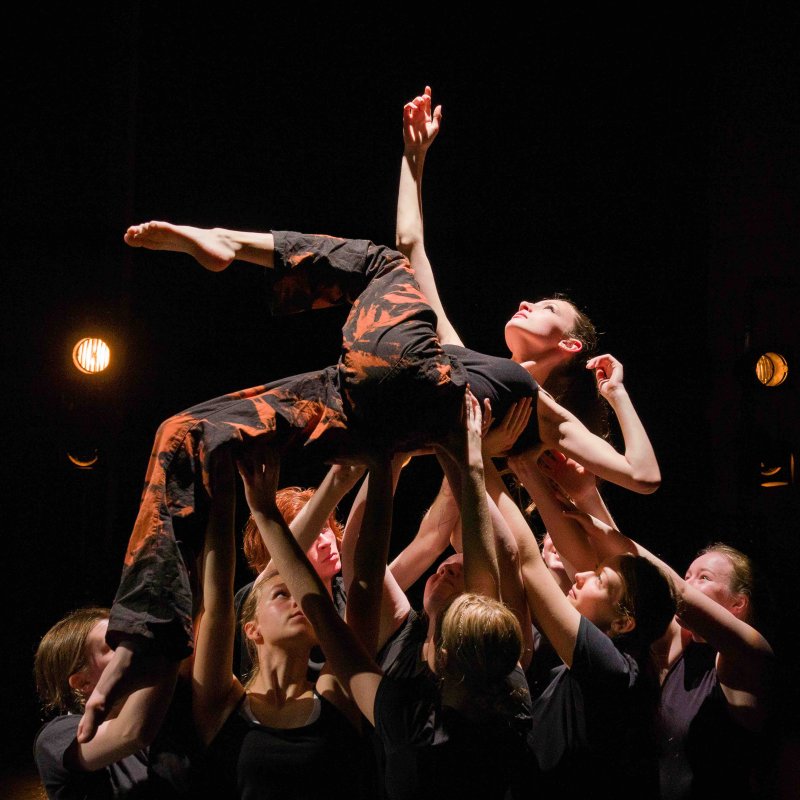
(569,537)
(215,690)
(138,721)
(394,605)
(575,482)
(420,127)
(636,468)
(366,587)
(553,613)
(462,459)
(313,517)
(431,539)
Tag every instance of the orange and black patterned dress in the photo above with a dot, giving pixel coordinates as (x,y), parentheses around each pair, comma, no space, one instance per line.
(393,385)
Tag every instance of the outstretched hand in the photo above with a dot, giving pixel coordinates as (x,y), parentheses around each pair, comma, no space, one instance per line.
(420,125)
(608,373)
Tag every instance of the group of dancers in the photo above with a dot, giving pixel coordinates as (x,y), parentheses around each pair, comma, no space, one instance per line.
(527,672)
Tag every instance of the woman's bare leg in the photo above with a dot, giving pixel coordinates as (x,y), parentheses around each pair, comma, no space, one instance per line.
(213,248)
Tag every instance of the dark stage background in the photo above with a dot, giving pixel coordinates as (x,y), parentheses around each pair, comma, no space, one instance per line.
(646,166)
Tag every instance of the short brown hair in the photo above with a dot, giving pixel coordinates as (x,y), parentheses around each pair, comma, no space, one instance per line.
(62,653)
(648,597)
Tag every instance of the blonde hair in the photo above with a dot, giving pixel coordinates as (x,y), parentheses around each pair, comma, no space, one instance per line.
(62,653)
(247,614)
(480,643)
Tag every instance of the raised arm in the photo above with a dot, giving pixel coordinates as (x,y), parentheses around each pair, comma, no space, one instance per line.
(313,517)
(366,587)
(214,688)
(345,655)
(493,544)
(431,539)
(574,482)
(420,127)
(568,536)
(394,605)
(462,460)
(553,613)
(636,468)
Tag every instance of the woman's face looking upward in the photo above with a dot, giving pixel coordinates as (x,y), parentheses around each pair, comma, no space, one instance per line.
(542,327)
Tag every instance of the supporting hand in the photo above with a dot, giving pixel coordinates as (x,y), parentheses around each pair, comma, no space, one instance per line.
(499,440)
(570,478)
(260,470)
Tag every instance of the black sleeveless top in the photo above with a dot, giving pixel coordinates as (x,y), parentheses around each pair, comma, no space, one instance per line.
(255,762)
(503,382)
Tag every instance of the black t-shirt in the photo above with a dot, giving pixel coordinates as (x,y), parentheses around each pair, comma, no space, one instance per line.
(703,751)
(433,751)
(503,382)
(543,666)
(124,778)
(594,720)
(401,656)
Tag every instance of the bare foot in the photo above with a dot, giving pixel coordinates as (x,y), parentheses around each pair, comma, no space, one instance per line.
(209,246)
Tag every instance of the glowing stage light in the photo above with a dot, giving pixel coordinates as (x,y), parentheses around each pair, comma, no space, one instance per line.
(91,355)
(772,369)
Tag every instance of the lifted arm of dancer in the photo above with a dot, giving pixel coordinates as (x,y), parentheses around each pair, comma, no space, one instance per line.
(506,547)
(462,460)
(431,540)
(366,589)
(132,725)
(568,536)
(346,656)
(215,690)
(636,468)
(553,613)
(313,517)
(420,127)
(394,605)
(574,482)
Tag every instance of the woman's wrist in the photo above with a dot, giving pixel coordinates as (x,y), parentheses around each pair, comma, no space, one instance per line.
(415,155)
(614,393)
